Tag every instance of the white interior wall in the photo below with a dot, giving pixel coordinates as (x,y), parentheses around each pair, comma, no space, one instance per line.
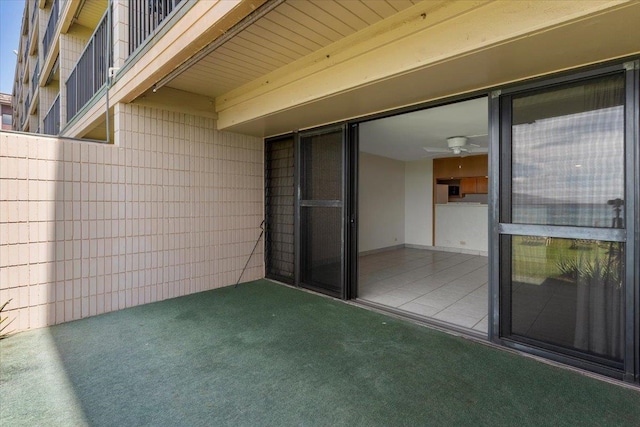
(419,202)
(381,202)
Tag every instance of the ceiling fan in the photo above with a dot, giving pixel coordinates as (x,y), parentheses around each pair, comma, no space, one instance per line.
(458,145)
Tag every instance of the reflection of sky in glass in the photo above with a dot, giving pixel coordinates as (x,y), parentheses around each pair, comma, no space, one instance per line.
(576,161)
(546,152)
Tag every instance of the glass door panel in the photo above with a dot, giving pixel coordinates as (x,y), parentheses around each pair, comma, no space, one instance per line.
(569,293)
(321,249)
(321,211)
(567,154)
(562,218)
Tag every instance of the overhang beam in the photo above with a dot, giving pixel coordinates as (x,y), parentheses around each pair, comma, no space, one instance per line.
(458,48)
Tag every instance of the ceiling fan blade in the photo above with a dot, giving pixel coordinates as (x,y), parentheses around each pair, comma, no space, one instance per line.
(430,155)
(479,149)
(436,150)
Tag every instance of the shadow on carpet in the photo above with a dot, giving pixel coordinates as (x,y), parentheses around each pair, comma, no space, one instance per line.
(265,354)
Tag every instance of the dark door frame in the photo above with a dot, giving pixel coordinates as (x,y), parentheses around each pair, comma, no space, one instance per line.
(632,367)
(348,209)
(500,226)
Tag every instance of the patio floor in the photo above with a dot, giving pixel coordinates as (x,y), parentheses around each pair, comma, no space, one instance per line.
(266,354)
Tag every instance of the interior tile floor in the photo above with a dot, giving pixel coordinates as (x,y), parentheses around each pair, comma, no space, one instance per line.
(447,286)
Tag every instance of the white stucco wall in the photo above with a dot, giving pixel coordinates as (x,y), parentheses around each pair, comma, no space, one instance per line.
(381,202)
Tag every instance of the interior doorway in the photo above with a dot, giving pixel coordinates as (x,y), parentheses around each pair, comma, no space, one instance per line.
(422,213)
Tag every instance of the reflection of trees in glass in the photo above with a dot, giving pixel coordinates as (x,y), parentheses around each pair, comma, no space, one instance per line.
(603,267)
(583,279)
(568,259)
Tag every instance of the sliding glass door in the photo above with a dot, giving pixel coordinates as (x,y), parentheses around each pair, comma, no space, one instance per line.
(565,222)
(323,215)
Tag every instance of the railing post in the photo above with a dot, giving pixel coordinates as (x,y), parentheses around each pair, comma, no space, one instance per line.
(93,63)
(51,27)
(91,67)
(145,16)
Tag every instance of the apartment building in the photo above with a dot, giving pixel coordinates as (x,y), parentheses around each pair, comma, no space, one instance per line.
(6,109)
(181,125)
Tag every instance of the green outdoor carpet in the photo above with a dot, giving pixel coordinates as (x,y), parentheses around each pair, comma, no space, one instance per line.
(264,354)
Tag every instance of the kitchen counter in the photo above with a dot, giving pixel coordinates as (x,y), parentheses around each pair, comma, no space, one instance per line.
(462,226)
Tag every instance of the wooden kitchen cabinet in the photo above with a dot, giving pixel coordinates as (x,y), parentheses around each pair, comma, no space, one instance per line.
(475,165)
(460,167)
(468,186)
(482,185)
(448,167)
(474,185)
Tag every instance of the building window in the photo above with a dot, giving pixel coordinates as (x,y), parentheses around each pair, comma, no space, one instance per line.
(6,119)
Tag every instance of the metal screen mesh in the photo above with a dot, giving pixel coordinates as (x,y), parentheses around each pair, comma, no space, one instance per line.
(279,202)
(321,212)
(321,248)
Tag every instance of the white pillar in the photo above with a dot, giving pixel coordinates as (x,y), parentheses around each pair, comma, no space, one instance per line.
(120,32)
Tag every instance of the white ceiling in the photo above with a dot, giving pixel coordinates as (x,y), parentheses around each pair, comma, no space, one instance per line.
(403,137)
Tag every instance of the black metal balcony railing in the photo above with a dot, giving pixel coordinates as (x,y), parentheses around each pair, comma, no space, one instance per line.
(34,12)
(35,77)
(51,28)
(52,119)
(90,72)
(144,18)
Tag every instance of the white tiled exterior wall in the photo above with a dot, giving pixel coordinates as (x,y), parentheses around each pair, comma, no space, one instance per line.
(171,209)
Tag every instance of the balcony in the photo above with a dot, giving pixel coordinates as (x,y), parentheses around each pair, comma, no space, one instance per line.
(90,72)
(145,16)
(34,13)
(35,77)
(52,119)
(266,354)
(51,28)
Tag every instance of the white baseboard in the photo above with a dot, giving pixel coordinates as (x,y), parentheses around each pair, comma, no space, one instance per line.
(425,247)
(460,250)
(386,249)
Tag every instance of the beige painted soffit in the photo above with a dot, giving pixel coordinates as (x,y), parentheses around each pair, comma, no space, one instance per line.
(398,46)
(68,12)
(88,120)
(402,24)
(200,26)
(179,101)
